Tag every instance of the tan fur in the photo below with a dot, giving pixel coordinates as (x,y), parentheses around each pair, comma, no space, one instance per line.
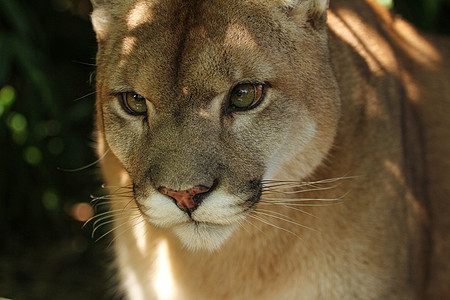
(356,109)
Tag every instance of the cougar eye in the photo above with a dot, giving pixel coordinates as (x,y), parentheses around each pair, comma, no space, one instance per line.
(245,96)
(133,103)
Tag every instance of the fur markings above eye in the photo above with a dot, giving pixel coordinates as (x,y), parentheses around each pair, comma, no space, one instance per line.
(245,96)
(132,103)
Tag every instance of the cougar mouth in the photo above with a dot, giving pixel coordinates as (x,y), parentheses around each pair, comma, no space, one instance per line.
(206,227)
(203,236)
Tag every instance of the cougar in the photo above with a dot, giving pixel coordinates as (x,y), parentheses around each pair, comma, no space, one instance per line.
(273,149)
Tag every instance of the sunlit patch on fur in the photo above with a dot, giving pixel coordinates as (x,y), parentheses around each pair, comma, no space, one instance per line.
(139,232)
(140,14)
(132,283)
(203,236)
(128,44)
(163,283)
(238,36)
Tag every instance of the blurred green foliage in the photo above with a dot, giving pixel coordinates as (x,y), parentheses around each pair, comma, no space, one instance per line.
(429,15)
(47,52)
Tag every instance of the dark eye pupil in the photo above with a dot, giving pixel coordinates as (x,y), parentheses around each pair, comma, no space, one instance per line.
(138,97)
(239,93)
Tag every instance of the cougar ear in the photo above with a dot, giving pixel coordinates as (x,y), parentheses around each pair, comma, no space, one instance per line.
(100,18)
(97,3)
(313,12)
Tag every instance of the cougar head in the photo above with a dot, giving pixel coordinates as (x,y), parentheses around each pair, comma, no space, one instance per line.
(201,101)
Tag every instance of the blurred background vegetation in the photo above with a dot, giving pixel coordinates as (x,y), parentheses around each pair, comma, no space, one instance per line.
(47,57)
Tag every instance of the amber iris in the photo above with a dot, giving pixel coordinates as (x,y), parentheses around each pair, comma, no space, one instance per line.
(245,96)
(133,103)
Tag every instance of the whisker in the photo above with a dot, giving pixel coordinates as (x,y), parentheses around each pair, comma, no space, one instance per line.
(278,183)
(86,166)
(302,204)
(104,186)
(110,202)
(85,96)
(309,201)
(105,223)
(301,199)
(292,208)
(84,63)
(334,179)
(128,229)
(284,218)
(115,216)
(284,184)
(115,219)
(273,225)
(115,228)
(241,225)
(256,227)
(100,202)
(111,198)
(276,213)
(119,191)
(314,189)
(109,212)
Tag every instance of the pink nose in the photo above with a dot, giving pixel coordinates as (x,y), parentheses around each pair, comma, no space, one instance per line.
(185,199)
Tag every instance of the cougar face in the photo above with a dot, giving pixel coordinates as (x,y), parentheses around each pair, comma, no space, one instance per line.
(203,102)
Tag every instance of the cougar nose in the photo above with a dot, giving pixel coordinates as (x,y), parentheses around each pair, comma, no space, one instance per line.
(185,199)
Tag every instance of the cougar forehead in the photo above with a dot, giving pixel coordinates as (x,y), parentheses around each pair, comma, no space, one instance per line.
(173,46)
